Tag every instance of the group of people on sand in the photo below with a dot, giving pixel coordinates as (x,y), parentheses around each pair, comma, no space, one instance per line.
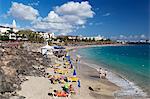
(68,88)
(102,73)
(66,92)
(55,80)
(68,82)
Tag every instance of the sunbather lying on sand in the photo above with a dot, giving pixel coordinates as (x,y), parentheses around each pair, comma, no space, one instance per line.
(57,93)
(61,71)
(57,79)
(69,88)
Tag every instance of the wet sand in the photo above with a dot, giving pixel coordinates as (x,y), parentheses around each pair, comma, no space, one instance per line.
(103,89)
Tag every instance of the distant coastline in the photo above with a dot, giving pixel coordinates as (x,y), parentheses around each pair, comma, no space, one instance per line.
(88,46)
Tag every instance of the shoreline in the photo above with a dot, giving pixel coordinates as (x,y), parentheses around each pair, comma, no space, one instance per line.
(128,88)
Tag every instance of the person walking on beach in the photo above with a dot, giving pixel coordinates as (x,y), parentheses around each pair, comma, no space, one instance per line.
(100,72)
(105,73)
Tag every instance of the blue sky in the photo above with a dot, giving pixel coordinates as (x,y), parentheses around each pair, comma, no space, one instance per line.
(123,19)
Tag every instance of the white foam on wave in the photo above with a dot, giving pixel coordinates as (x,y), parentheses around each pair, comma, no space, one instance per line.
(128,88)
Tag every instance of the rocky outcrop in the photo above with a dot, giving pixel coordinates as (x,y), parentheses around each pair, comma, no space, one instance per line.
(15,64)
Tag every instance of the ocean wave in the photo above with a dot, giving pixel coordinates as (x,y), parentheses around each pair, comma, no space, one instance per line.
(128,88)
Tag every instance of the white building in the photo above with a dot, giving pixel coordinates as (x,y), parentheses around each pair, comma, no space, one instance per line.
(97,38)
(52,35)
(72,37)
(12,36)
(46,35)
(4,29)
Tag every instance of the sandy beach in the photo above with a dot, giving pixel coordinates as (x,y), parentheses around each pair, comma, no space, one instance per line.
(39,86)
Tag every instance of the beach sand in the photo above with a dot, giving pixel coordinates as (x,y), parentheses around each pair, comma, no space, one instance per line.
(39,87)
(35,88)
(103,89)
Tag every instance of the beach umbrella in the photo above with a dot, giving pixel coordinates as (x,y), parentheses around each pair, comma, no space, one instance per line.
(79,84)
(71,66)
(74,73)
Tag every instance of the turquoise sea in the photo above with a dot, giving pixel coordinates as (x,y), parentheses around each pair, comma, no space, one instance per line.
(130,61)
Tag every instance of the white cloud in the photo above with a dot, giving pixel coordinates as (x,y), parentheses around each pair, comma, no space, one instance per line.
(66,18)
(23,12)
(34,3)
(53,27)
(6,25)
(52,23)
(63,19)
(129,37)
(106,14)
(75,12)
(73,19)
(83,9)
(53,18)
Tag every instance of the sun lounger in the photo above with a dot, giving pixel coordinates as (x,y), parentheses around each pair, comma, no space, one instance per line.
(66,63)
(73,79)
(60,71)
(57,65)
